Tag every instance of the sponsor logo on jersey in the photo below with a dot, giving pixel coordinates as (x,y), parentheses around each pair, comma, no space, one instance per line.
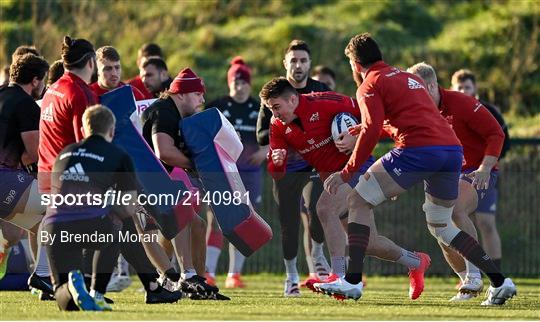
(253,115)
(314,117)
(75,173)
(47,114)
(239,121)
(311,141)
(227,113)
(413,84)
(10,197)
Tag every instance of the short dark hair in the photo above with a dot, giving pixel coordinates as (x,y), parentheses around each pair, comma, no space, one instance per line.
(76,52)
(108,53)
(24,49)
(158,62)
(320,69)
(462,75)
(275,88)
(363,49)
(55,72)
(150,50)
(26,67)
(298,44)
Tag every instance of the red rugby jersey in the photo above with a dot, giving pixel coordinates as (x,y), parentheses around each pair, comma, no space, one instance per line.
(397,102)
(310,134)
(138,83)
(98,90)
(61,121)
(476,128)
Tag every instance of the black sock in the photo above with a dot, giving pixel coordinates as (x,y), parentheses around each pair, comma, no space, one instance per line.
(471,250)
(358,242)
(172,275)
(147,279)
(497,263)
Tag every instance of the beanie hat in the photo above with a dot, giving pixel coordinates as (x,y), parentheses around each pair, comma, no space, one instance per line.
(187,82)
(75,51)
(239,70)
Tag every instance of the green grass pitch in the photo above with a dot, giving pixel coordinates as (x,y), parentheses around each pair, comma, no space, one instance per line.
(385,298)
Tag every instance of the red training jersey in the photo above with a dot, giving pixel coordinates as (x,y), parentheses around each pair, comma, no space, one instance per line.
(138,84)
(398,103)
(98,90)
(61,121)
(476,128)
(310,134)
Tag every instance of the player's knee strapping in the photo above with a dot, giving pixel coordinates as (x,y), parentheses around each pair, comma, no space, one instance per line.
(439,221)
(369,189)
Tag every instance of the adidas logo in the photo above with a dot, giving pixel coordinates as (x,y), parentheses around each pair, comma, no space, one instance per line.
(314,117)
(75,173)
(288,130)
(47,114)
(414,84)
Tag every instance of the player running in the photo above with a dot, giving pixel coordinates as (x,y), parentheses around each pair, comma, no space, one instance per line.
(482,139)
(426,150)
(303,123)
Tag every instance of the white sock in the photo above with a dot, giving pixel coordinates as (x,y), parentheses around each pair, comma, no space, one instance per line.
(309,261)
(236,260)
(462,275)
(123,266)
(290,270)
(188,273)
(316,249)
(408,259)
(472,270)
(338,265)
(212,257)
(42,265)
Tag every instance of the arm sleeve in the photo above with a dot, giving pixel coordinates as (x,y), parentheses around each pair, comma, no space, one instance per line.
(164,123)
(27,115)
(372,110)
(277,141)
(482,122)
(263,125)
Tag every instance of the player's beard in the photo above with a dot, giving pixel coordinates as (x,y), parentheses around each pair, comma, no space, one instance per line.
(357,78)
(37,93)
(299,77)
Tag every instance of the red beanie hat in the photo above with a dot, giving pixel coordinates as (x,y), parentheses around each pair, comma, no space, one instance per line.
(187,82)
(239,70)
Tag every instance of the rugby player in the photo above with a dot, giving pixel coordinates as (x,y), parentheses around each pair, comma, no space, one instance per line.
(482,140)
(325,75)
(464,81)
(303,123)
(19,136)
(241,109)
(426,150)
(161,131)
(92,165)
(300,181)
(109,70)
(144,53)
(155,76)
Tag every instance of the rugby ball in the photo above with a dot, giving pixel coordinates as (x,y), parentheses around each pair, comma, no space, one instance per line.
(342,122)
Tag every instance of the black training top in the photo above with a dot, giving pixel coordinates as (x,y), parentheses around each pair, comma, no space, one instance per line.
(93,166)
(162,116)
(18,113)
(243,116)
